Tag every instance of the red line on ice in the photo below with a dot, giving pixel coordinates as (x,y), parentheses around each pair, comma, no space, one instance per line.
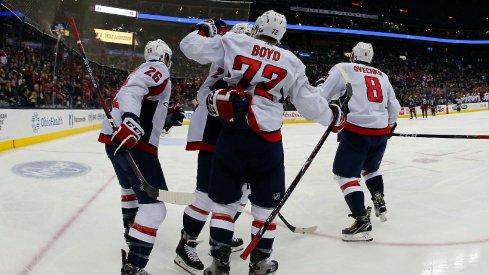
(35,260)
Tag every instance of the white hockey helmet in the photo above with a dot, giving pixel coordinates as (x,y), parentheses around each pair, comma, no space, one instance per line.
(156,51)
(362,52)
(242,28)
(271,24)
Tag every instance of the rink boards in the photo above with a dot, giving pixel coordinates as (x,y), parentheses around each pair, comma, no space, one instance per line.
(22,127)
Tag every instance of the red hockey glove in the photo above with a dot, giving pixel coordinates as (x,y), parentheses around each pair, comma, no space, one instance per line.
(211,27)
(393,127)
(228,104)
(128,134)
(339,119)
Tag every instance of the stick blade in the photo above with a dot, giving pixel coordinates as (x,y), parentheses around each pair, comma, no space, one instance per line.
(305,230)
(178,198)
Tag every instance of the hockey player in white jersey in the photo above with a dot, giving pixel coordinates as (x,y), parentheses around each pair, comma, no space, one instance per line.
(140,109)
(202,136)
(261,75)
(373,112)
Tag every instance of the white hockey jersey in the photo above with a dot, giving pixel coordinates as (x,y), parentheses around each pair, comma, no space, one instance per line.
(203,129)
(145,93)
(267,73)
(373,105)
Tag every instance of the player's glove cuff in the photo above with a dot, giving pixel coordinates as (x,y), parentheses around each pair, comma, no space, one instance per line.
(211,27)
(339,119)
(127,135)
(393,127)
(230,105)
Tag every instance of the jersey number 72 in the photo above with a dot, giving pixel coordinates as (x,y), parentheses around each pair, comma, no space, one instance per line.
(269,71)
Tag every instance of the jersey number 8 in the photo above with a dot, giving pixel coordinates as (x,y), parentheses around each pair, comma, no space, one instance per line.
(374,89)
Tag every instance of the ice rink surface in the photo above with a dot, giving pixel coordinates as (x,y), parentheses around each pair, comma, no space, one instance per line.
(437,195)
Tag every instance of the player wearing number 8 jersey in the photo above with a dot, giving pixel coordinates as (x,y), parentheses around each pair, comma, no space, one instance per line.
(372,114)
(249,146)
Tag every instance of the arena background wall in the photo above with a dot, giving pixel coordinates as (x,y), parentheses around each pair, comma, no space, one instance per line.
(22,127)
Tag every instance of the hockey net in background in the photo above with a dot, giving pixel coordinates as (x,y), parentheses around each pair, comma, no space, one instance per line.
(118,41)
(38,13)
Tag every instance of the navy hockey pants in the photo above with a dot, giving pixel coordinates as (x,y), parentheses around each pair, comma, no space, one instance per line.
(150,168)
(358,152)
(240,156)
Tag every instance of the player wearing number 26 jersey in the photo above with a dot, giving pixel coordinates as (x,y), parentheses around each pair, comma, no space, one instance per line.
(372,113)
(139,110)
(260,75)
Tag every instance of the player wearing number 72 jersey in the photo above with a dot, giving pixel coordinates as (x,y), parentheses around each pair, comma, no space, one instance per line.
(372,114)
(250,143)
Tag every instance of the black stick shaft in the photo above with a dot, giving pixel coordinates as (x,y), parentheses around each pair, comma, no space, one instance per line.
(441,136)
(294,183)
(144,185)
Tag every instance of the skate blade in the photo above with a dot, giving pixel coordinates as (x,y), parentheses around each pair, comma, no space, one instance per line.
(382,217)
(178,261)
(359,237)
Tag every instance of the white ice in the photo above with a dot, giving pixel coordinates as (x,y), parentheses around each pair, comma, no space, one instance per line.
(437,194)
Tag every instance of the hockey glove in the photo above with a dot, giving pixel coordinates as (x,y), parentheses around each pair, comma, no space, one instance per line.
(228,104)
(393,127)
(339,119)
(174,117)
(211,27)
(128,134)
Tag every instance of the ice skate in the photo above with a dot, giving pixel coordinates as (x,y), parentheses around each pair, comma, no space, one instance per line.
(236,244)
(359,230)
(220,263)
(379,206)
(259,266)
(187,257)
(129,269)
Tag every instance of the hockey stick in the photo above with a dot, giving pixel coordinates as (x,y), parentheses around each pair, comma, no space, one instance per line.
(180,198)
(296,180)
(294,229)
(441,136)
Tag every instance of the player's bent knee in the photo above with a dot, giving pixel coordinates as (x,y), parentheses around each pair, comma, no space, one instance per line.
(151,215)
(202,201)
(226,209)
(369,175)
(260,213)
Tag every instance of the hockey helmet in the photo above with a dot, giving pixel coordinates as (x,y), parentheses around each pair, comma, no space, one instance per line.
(362,52)
(242,28)
(271,24)
(157,50)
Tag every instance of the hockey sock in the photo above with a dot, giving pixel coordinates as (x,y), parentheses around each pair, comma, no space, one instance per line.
(353,193)
(195,215)
(142,234)
(139,252)
(129,207)
(266,242)
(374,182)
(194,220)
(221,231)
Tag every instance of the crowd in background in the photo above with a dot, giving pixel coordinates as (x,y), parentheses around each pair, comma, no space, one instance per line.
(27,73)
